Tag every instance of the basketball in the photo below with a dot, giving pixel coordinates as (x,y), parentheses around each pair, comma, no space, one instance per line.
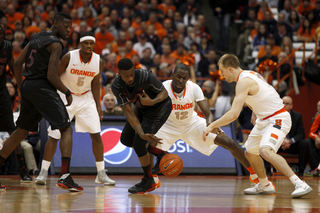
(171,165)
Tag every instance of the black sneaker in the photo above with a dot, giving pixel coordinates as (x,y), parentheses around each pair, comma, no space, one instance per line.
(146,185)
(25,177)
(66,182)
(156,168)
(2,187)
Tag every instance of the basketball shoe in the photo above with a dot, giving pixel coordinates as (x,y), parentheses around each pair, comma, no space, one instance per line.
(258,189)
(42,178)
(156,180)
(25,177)
(146,185)
(103,178)
(2,187)
(301,189)
(66,182)
(156,168)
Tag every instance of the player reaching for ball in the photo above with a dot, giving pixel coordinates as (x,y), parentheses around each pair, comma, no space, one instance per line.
(151,108)
(184,123)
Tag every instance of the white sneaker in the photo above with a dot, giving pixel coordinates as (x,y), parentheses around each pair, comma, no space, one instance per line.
(258,189)
(42,178)
(301,190)
(103,178)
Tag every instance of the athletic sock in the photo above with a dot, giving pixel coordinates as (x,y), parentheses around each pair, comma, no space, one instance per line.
(156,151)
(65,165)
(147,171)
(45,165)
(264,181)
(295,179)
(253,174)
(100,165)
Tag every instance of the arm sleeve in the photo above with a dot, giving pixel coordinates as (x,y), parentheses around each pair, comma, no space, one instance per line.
(315,128)
(197,93)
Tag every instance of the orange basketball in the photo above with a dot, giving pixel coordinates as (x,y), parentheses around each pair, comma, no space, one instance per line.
(171,165)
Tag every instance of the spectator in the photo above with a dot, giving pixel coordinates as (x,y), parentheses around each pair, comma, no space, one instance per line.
(13,92)
(223,104)
(305,7)
(286,9)
(105,12)
(202,20)
(152,38)
(313,20)
(208,88)
(294,143)
(102,38)
(109,102)
(275,49)
(262,11)
(114,16)
(204,64)
(16,49)
(261,38)
(294,21)
(18,26)
(270,22)
(190,17)
(21,38)
(204,46)
(125,24)
(122,39)
(165,57)
(243,38)
(177,18)
(164,70)
(282,20)
(252,5)
(12,15)
(26,23)
(129,51)
(154,9)
(111,28)
(157,61)
(132,35)
(197,55)
(146,60)
(153,20)
(282,32)
(8,35)
(268,49)
(194,5)
(73,41)
(118,6)
(30,145)
(86,4)
(305,32)
(179,52)
(43,26)
(143,44)
(318,111)
(75,19)
(317,10)
(191,37)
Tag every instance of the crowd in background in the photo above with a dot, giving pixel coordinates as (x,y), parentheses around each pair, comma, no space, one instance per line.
(158,34)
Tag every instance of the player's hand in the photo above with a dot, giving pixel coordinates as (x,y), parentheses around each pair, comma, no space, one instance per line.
(151,138)
(206,132)
(145,99)
(69,100)
(286,143)
(217,131)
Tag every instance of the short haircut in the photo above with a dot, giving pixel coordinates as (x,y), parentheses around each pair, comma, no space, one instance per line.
(60,16)
(106,95)
(182,67)
(125,64)
(229,60)
(88,33)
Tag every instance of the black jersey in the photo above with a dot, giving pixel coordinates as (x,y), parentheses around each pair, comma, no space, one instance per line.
(144,80)
(37,58)
(5,57)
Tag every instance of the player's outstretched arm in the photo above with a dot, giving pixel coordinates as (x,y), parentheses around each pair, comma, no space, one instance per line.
(204,106)
(135,124)
(18,66)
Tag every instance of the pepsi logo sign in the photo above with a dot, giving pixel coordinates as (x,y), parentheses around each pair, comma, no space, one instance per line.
(114,151)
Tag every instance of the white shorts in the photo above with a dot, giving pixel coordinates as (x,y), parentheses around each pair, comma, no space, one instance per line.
(192,135)
(269,133)
(84,108)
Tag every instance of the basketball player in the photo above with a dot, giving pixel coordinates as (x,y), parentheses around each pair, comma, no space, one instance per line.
(184,123)
(151,110)
(6,114)
(80,71)
(38,91)
(272,125)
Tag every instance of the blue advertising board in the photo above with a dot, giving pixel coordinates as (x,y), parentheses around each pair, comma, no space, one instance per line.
(122,159)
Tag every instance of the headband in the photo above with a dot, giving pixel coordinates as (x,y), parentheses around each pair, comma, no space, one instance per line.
(88,38)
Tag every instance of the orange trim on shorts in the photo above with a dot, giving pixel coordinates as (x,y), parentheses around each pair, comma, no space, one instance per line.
(246,131)
(276,113)
(78,94)
(274,136)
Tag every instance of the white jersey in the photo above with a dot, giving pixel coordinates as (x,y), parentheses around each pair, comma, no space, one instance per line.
(183,104)
(78,75)
(267,101)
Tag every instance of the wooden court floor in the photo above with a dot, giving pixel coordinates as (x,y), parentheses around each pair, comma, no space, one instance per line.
(180,194)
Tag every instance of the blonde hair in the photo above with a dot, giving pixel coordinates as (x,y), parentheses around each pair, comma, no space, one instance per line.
(229,60)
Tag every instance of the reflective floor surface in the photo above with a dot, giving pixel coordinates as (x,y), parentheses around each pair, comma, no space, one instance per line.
(180,194)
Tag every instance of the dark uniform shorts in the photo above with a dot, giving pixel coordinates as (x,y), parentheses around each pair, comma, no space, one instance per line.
(6,113)
(40,99)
